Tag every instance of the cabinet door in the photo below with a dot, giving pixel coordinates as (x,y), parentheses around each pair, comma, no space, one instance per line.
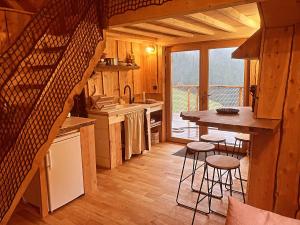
(64,171)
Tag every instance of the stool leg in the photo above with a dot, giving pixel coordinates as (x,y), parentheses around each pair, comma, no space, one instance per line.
(219,148)
(220,181)
(238,155)
(180,181)
(230,182)
(193,170)
(198,198)
(233,151)
(243,193)
(226,148)
(210,190)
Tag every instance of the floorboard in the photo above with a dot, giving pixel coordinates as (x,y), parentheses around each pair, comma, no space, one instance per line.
(141,191)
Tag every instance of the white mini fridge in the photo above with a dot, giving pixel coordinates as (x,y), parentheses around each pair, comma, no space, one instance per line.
(64,173)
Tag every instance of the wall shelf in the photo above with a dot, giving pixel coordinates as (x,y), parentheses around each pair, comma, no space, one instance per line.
(102,68)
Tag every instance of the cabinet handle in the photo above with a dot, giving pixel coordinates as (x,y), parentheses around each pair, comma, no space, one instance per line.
(49,160)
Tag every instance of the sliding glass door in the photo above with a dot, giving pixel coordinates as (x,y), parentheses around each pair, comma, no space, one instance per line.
(226,83)
(185,66)
(201,79)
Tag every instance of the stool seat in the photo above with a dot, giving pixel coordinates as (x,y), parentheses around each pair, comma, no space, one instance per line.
(222,162)
(243,137)
(212,138)
(198,146)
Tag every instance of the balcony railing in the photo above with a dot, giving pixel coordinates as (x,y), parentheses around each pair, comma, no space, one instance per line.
(186,97)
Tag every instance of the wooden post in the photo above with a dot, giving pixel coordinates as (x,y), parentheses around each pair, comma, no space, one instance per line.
(288,170)
(44,207)
(263,162)
(88,154)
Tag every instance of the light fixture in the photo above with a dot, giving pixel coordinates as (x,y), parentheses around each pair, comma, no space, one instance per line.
(150,49)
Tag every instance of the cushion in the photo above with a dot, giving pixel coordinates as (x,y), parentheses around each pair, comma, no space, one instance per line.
(242,214)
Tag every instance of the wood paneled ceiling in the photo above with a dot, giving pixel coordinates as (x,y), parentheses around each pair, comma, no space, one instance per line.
(228,23)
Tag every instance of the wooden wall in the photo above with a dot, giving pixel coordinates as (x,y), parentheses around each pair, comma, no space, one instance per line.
(279,98)
(149,78)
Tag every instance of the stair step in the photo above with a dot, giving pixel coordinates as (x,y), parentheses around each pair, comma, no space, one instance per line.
(53,41)
(35,58)
(22,94)
(30,86)
(37,68)
(47,49)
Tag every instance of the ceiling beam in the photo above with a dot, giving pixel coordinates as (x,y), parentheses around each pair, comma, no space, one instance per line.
(186,26)
(244,32)
(140,32)
(210,21)
(239,17)
(172,9)
(153,27)
(250,49)
(130,37)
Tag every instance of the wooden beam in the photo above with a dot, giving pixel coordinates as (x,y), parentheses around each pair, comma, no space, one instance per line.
(153,27)
(250,49)
(210,21)
(239,17)
(273,73)
(171,9)
(20,11)
(187,26)
(262,170)
(278,13)
(243,33)
(287,185)
(21,5)
(130,37)
(140,32)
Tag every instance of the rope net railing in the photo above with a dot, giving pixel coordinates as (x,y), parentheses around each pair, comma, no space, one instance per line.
(115,7)
(38,73)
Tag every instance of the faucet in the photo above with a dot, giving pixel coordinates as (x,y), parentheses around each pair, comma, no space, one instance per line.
(129,88)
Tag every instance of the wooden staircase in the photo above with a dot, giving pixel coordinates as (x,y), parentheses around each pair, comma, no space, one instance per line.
(40,74)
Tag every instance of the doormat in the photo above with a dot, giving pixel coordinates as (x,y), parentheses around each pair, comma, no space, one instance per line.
(181,153)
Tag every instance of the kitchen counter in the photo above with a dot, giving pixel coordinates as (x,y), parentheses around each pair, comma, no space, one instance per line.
(108,130)
(263,151)
(126,108)
(74,123)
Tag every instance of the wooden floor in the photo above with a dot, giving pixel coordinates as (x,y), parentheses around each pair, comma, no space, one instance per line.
(141,191)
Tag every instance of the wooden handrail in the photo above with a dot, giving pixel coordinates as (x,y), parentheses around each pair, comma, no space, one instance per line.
(17,11)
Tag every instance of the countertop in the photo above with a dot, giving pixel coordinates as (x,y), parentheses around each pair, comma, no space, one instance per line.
(73,123)
(124,109)
(242,122)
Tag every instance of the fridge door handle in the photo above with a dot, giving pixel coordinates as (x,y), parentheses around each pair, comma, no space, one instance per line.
(49,160)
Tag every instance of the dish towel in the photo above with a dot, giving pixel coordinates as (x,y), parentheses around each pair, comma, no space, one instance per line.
(134,133)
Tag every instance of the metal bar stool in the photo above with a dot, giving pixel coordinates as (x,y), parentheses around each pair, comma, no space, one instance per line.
(193,148)
(214,139)
(240,138)
(218,162)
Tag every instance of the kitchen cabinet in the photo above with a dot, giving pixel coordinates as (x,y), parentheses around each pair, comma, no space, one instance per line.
(70,163)
(108,131)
